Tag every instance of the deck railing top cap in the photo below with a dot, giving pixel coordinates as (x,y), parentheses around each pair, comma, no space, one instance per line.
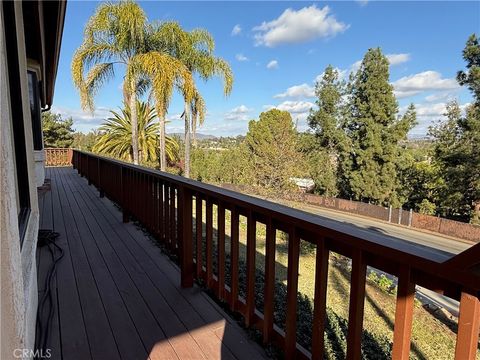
(294,216)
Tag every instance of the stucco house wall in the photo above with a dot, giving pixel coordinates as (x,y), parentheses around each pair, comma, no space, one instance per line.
(18,297)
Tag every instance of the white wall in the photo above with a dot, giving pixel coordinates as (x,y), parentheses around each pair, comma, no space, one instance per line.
(18,297)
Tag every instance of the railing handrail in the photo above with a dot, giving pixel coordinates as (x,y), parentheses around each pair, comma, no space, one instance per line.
(445,273)
(417,254)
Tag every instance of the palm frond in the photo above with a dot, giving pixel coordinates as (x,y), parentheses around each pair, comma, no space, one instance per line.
(116,138)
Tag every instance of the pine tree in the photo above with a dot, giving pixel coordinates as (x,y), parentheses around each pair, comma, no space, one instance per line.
(272,146)
(370,167)
(457,149)
(325,122)
(57,132)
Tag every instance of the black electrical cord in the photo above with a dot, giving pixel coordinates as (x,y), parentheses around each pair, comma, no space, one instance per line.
(47,238)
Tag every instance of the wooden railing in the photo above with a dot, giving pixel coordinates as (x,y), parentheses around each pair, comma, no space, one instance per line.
(58,156)
(165,205)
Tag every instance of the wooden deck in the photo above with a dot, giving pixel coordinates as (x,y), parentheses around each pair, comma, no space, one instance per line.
(115,295)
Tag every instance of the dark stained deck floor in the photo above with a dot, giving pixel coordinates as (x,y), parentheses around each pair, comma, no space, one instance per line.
(115,295)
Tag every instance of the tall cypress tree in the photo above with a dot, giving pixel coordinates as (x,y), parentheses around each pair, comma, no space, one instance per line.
(370,166)
(329,136)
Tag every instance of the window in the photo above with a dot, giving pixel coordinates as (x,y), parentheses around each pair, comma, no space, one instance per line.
(34,96)
(17,117)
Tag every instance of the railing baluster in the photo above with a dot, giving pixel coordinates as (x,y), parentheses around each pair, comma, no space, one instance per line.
(292,288)
(251,248)
(320,300)
(161,213)
(209,242)
(199,231)
(234,253)
(173,222)
(185,226)
(403,316)
(468,327)
(221,250)
(356,308)
(269,289)
(166,214)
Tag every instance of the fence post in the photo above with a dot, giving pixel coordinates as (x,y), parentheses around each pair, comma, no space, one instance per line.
(410,215)
(185,236)
(400,215)
(390,213)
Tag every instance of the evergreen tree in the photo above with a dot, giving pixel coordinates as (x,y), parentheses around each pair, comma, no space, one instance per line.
(370,166)
(57,132)
(457,150)
(272,146)
(471,78)
(325,122)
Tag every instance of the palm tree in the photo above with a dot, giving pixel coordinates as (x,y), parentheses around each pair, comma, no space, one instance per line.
(112,36)
(116,138)
(118,35)
(195,50)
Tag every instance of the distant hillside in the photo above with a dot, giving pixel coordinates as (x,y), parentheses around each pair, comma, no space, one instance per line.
(199,136)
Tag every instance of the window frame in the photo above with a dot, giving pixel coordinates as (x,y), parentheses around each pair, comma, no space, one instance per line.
(17,117)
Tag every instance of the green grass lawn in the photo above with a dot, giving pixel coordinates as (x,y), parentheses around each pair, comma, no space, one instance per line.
(431,338)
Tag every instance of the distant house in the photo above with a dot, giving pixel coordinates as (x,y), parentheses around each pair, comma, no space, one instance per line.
(30,37)
(304,184)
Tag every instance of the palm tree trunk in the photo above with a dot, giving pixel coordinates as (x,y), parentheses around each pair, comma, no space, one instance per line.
(163,157)
(187,140)
(194,131)
(134,119)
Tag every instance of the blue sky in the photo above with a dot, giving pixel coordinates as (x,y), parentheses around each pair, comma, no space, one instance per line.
(277,50)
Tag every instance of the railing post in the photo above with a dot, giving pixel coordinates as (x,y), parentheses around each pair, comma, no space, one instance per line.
(99,179)
(185,235)
(403,316)
(320,299)
(356,308)
(74,159)
(123,184)
(251,250)
(292,289)
(269,289)
(468,327)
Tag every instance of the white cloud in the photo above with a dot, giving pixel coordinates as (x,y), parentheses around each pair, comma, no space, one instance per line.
(396,59)
(362,2)
(239,113)
(427,115)
(421,82)
(298,91)
(293,27)
(272,64)
(298,109)
(83,120)
(442,96)
(236,30)
(241,57)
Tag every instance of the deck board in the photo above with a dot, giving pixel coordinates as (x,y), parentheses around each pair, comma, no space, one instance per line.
(117,296)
